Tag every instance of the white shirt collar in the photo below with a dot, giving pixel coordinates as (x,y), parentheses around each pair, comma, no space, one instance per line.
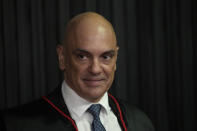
(77,105)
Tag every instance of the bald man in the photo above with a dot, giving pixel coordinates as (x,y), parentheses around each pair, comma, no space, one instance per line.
(87,57)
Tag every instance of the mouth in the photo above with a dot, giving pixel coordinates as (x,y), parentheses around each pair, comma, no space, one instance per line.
(93,82)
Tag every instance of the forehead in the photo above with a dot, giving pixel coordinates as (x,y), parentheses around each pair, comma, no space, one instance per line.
(93,40)
(92,33)
(95,46)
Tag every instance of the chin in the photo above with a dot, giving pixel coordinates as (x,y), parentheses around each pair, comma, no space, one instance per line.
(94,99)
(96,95)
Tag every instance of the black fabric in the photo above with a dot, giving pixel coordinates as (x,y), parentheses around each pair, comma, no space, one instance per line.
(157,62)
(41,116)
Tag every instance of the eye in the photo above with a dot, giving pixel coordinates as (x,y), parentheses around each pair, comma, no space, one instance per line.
(81,56)
(106,57)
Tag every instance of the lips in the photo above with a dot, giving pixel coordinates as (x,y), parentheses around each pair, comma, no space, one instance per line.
(93,82)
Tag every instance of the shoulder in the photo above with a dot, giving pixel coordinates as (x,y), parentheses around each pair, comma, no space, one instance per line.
(31,108)
(135,117)
(26,115)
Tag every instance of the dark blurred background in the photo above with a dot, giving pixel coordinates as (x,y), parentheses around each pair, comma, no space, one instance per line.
(157,63)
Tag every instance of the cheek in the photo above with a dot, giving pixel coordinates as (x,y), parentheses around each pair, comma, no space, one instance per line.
(109,70)
(72,69)
(79,70)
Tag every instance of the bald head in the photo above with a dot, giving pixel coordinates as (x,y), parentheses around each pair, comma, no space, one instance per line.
(86,24)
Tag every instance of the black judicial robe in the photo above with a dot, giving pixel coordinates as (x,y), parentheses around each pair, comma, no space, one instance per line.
(41,116)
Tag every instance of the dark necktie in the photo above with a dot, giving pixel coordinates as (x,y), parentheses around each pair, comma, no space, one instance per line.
(95,111)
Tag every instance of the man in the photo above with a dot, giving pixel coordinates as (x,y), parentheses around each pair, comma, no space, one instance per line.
(87,57)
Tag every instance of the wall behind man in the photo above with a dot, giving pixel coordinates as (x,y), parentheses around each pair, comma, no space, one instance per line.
(157,64)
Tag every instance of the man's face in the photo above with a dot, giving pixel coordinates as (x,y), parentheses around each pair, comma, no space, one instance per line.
(90,62)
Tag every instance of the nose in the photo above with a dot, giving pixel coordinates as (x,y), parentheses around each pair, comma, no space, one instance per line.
(95,67)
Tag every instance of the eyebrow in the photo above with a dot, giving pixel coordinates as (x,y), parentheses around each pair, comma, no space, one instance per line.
(80,50)
(87,52)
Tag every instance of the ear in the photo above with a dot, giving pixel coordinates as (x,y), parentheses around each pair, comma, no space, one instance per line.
(61,58)
(117,48)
